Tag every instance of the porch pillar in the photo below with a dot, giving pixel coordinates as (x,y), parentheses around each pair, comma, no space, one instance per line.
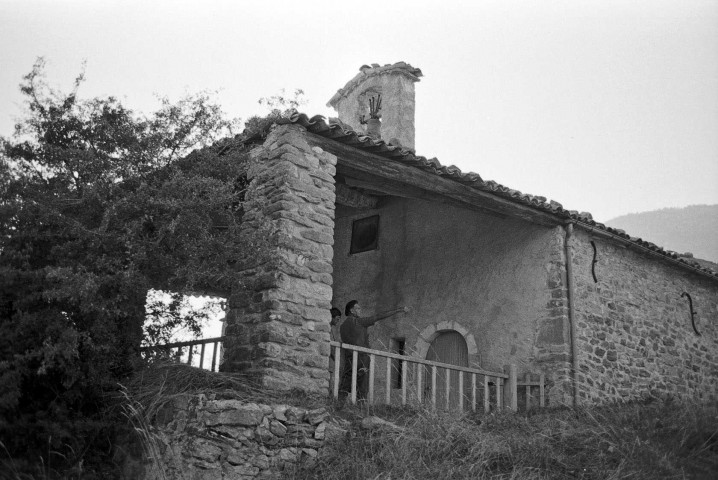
(510,393)
(553,342)
(277,327)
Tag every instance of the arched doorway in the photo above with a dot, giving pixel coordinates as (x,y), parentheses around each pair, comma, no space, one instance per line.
(449,347)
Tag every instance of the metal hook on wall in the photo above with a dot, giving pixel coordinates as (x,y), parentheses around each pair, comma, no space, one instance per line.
(693,312)
(594,262)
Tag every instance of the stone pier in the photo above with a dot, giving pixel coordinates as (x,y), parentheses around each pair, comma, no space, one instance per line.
(277,326)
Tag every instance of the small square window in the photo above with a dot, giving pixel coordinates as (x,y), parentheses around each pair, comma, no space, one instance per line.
(365,234)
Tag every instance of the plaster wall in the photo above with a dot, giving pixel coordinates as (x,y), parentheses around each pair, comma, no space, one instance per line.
(496,277)
(398,106)
(634,332)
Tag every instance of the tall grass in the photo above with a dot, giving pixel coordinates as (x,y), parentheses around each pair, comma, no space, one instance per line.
(165,381)
(661,440)
(655,440)
(152,396)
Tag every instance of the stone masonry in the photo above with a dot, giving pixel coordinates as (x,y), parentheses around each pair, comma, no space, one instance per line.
(201,437)
(278,319)
(635,337)
(552,351)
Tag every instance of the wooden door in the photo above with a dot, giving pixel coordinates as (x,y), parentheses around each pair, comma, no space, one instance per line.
(449,347)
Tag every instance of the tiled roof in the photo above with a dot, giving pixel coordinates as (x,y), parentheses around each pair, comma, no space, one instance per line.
(342,134)
(375,69)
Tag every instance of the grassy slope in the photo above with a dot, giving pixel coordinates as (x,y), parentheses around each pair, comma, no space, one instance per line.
(655,440)
(639,441)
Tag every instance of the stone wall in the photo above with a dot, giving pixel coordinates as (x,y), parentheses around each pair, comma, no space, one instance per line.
(634,330)
(200,437)
(553,334)
(277,326)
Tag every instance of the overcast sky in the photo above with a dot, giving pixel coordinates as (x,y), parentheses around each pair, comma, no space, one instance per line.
(609,107)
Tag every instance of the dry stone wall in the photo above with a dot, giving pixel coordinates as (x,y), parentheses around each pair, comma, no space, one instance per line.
(203,438)
(277,327)
(634,331)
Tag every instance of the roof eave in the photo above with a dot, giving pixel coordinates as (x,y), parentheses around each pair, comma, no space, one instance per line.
(546,209)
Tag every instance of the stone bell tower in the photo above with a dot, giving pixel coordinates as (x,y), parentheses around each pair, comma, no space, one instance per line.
(395,84)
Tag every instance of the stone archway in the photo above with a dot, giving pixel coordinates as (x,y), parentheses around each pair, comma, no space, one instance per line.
(429,334)
(426,348)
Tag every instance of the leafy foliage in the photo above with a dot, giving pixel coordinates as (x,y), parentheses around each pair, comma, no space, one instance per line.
(99,205)
(280,106)
(170,315)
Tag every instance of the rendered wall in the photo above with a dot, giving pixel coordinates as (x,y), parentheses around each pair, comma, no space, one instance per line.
(398,105)
(635,337)
(501,279)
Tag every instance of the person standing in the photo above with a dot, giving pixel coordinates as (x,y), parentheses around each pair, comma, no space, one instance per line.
(336,324)
(335,336)
(355,331)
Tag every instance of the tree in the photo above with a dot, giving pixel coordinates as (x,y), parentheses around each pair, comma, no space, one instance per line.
(99,205)
(279,106)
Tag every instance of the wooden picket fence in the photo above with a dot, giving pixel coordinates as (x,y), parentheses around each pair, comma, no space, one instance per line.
(505,384)
(495,390)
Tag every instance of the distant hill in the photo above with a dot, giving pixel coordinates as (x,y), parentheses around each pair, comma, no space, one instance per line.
(691,229)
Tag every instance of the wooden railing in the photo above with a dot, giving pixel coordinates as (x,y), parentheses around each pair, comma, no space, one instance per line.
(505,383)
(490,389)
(177,351)
(540,386)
